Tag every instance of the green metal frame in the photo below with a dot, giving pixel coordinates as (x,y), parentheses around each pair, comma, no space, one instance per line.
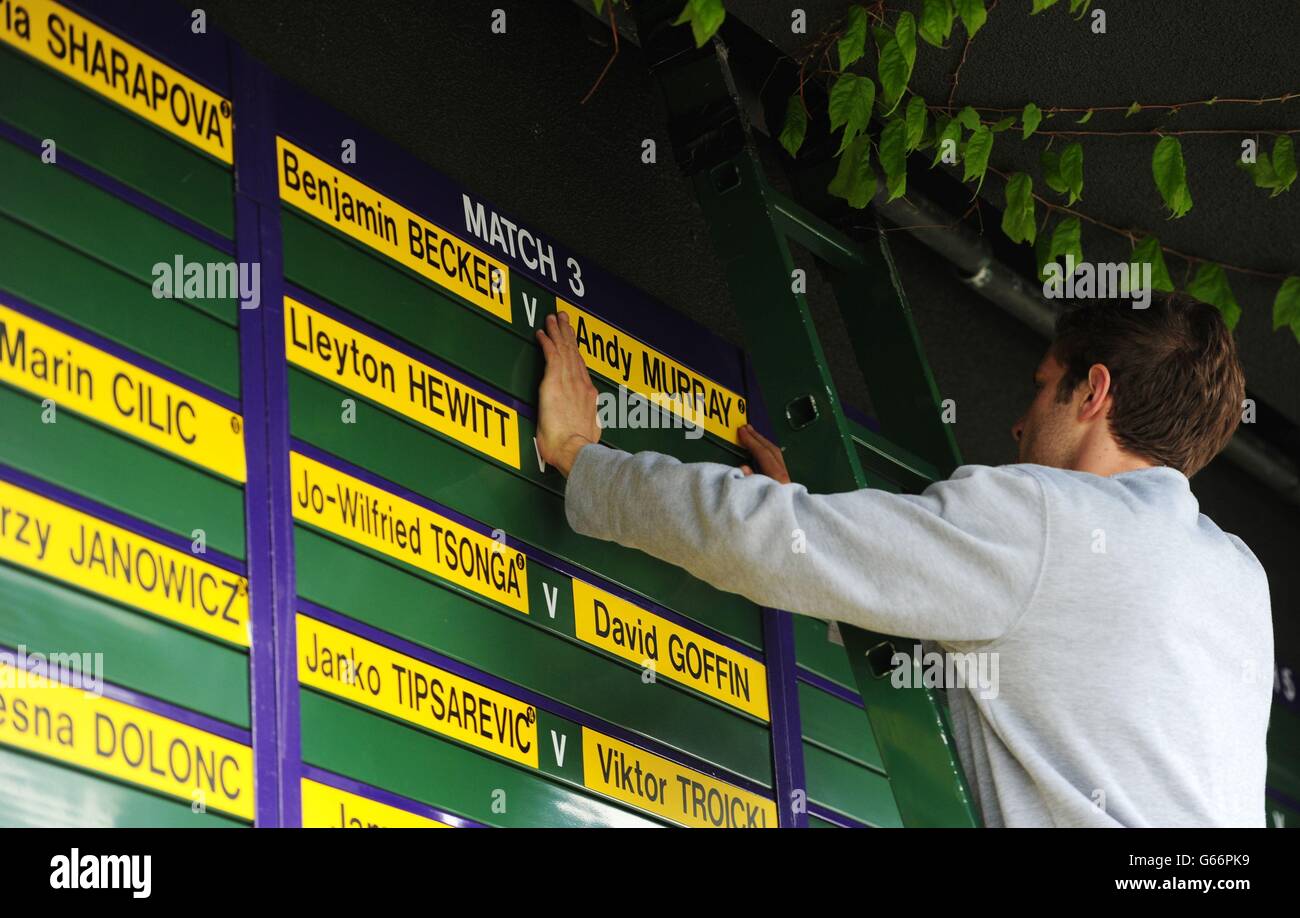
(752,228)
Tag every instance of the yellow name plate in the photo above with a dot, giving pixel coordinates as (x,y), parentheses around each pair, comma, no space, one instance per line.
(65,544)
(120,72)
(72,374)
(108,737)
(369,674)
(325,807)
(401,529)
(380,223)
(622,359)
(337,352)
(657,785)
(628,631)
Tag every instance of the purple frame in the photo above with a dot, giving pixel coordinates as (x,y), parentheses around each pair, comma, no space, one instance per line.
(265,105)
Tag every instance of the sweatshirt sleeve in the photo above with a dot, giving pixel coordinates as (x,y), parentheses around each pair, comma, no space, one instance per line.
(959,562)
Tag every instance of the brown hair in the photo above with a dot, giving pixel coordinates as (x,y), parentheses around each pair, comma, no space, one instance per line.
(1176,383)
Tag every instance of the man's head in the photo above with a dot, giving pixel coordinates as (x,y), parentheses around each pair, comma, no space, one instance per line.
(1123,387)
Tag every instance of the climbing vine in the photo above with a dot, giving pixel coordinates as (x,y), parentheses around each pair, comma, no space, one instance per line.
(882,122)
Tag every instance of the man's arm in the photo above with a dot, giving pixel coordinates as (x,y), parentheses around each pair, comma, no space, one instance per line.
(959,562)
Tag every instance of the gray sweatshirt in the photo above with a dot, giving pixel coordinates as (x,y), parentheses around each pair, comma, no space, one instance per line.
(1133,638)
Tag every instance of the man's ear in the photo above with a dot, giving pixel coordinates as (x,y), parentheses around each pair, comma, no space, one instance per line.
(1097,388)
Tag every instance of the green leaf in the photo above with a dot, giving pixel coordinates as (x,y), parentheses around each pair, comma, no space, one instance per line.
(1210,285)
(1018,217)
(1040,5)
(969,118)
(893,156)
(705,17)
(1087,116)
(599,4)
(1286,307)
(977,156)
(1080,7)
(973,15)
(915,119)
(1284,162)
(1148,251)
(854,181)
(936,21)
(1072,171)
(1002,125)
(1030,118)
(905,35)
(1051,163)
(894,74)
(796,125)
(1261,172)
(851,99)
(951,131)
(853,43)
(1066,240)
(1132,110)
(1171,176)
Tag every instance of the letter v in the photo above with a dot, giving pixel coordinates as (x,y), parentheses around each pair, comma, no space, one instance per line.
(530,306)
(552,596)
(558,742)
(541,464)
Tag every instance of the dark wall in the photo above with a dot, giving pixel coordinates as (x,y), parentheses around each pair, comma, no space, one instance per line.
(503,114)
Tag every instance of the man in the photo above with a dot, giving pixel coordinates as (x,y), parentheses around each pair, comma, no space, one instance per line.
(1134,637)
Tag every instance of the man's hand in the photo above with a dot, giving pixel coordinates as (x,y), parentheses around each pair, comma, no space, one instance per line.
(566,401)
(767,455)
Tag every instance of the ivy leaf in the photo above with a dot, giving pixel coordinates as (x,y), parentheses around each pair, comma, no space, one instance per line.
(1171,176)
(1080,7)
(1284,163)
(1018,217)
(1210,285)
(1261,172)
(1040,5)
(705,17)
(1132,110)
(1149,252)
(951,132)
(969,118)
(1002,125)
(1072,171)
(894,74)
(851,100)
(977,156)
(599,4)
(853,43)
(1051,163)
(893,156)
(1066,241)
(936,21)
(915,120)
(1030,118)
(905,35)
(1286,308)
(854,181)
(796,125)
(973,15)
(1087,116)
